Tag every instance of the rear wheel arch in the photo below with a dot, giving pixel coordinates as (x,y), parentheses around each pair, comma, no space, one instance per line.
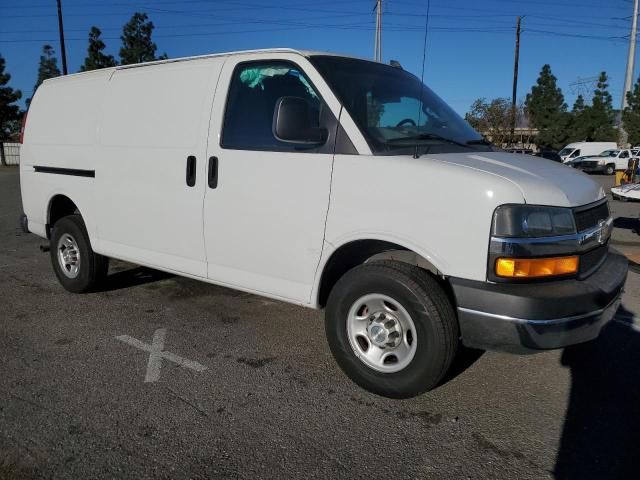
(357,252)
(60,206)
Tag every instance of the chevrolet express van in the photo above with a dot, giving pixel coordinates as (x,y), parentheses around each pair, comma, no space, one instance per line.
(328,182)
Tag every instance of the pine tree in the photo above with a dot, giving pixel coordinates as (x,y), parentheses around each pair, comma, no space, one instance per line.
(547,111)
(579,106)
(631,115)
(137,45)
(602,114)
(9,112)
(580,129)
(48,67)
(95,58)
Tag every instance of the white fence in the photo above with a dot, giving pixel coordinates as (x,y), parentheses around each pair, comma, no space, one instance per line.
(9,153)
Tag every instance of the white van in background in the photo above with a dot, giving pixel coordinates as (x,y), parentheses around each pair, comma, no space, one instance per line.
(585,149)
(324,181)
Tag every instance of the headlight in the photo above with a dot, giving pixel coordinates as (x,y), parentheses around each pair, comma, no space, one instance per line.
(532,221)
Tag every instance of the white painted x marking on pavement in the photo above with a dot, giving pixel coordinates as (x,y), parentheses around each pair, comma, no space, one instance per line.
(157,353)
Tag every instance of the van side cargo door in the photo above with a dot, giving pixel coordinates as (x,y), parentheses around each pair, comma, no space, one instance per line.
(150,176)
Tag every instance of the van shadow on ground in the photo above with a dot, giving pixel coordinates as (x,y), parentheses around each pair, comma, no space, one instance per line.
(132,277)
(601,435)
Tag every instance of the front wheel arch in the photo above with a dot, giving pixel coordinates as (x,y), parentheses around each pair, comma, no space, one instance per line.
(357,252)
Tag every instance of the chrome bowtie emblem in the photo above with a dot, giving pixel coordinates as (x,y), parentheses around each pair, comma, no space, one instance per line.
(603,232)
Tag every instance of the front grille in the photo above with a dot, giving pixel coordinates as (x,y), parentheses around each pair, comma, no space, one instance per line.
(591,260)
(589,218)
(588,164)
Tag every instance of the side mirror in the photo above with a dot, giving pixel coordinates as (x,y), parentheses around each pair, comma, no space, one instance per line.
(293,123)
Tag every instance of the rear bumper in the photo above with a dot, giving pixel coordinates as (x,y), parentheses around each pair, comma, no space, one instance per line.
(524,318)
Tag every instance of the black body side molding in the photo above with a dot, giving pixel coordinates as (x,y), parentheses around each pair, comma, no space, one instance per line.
(65,171)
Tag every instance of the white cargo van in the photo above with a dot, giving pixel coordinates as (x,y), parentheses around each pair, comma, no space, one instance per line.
(324,181)
(585,149)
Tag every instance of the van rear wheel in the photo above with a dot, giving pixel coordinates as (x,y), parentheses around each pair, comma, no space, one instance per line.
(78,268)
(391,328)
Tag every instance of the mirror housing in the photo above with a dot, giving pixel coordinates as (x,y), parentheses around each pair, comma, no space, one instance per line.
(292,123)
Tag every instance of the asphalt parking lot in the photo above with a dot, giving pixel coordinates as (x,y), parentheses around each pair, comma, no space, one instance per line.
(162,377)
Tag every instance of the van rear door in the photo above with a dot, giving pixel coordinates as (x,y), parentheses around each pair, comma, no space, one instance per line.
(150,174)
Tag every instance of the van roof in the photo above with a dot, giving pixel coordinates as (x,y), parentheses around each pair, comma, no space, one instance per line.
(304,53)
(580,144)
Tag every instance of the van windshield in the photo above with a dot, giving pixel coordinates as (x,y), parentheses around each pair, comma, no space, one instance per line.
(565,151)
(394,111)
(609,153)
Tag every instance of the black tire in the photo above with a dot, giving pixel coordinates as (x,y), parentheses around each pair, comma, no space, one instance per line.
(430,310)
(611,169)
(92,267)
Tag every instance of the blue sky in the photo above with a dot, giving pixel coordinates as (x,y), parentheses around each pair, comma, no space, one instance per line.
(469,52)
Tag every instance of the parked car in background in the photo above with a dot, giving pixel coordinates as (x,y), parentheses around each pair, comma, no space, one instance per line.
(607,162)
(549,155)
(585,149)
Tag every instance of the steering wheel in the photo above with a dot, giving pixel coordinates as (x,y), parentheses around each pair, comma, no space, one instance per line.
(406,121)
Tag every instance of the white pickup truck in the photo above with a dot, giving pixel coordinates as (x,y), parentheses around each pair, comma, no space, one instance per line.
(607,162)
(329,182)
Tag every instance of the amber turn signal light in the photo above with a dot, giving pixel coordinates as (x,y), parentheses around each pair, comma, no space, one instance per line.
(536,267)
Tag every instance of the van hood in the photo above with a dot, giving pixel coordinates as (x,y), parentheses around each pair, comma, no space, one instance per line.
(541,181)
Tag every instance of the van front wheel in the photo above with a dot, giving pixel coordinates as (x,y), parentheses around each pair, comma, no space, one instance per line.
(610,170)
(77,266)
(391,328)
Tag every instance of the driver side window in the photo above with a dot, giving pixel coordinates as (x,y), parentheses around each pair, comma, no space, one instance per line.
(575,154)
(254,91)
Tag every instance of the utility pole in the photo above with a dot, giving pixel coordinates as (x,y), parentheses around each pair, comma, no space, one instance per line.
(62,49)
(377,49)
(628,80)
(515,79)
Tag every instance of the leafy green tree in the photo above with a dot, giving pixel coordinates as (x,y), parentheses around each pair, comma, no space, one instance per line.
(631,115)
(602,113)
(493,118)
(48,67)
(137,45)
(9,112)
(95,59)
(547,111)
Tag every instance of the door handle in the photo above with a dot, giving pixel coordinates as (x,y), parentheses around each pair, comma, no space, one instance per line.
(191,171)
(213,172)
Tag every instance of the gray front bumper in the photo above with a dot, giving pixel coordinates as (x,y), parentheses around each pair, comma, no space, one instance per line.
(524,318)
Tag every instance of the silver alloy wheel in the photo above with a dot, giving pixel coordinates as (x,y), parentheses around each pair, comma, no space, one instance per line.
(381,333)
(69,256)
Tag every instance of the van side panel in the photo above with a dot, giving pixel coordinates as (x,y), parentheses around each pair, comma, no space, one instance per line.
(154,118)
(61,132)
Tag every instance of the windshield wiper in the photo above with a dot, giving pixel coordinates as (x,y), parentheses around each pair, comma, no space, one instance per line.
(428,136)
